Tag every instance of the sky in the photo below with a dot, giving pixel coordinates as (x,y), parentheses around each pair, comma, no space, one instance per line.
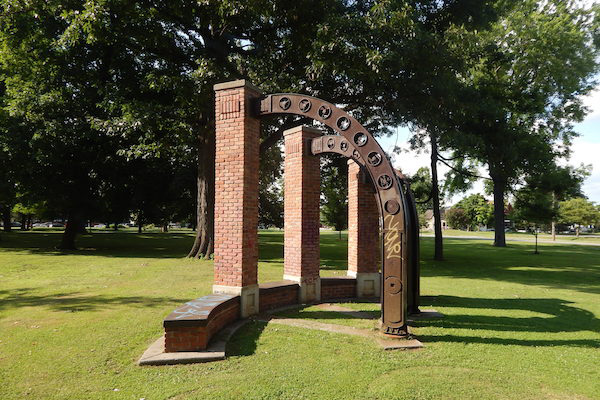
(585,150)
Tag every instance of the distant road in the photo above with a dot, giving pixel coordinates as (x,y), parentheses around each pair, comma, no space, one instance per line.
(510,239)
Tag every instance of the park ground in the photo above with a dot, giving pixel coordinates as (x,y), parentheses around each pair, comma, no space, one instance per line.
(516,326)
(584,238)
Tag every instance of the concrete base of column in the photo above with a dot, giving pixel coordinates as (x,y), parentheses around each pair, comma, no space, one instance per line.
(368,284)
(310,289)
(248,297)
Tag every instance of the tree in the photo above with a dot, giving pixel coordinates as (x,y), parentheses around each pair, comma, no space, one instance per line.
(560,183)
(102,83)
(478,211)
(8,167)
(457,218)
(334,189)
(522,95)
(420,184)
(578,211)
(534,208)
(429,75)
(270,189)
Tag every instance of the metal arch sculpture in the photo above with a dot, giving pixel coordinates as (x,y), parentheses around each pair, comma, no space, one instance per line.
(357,143)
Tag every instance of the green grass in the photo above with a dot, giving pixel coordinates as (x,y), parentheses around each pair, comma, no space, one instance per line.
(584,237)
(517,325)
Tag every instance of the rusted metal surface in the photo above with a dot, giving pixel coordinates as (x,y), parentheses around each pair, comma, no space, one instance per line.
(412,228)
(355,142)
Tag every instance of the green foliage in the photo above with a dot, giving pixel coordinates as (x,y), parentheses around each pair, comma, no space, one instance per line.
(477,211)
(579,211)
(270,189)
(457,218)
(420,184)
(521,90)
(533,208)
(334,189)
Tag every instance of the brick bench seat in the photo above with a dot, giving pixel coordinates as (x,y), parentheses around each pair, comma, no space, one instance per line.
(273,295)
(191,326)
(339,287)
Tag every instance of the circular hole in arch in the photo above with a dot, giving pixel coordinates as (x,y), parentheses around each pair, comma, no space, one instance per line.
(361,139)
(374,158)
(343,123)
(304,105)
(392,207)
(285,103)
(324,111)
(384,181)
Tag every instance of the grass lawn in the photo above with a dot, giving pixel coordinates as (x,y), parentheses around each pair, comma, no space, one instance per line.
(517,325)
(584,237)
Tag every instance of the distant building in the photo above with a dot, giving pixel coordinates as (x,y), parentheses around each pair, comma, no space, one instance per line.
(429,220)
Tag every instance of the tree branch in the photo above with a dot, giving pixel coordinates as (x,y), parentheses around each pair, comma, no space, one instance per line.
(462,172)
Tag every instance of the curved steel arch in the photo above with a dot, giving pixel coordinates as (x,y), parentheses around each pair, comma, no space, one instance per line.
(360,145)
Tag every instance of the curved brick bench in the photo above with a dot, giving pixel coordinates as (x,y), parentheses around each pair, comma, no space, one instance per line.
(191,326)
(273,295)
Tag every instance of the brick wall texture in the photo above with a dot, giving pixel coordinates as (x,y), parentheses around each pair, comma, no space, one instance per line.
(195,338)
(363,223)
(302,189)
(276,297)
(337,288)
(236,188)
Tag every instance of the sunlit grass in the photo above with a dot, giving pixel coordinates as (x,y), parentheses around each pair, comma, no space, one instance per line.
(517,325)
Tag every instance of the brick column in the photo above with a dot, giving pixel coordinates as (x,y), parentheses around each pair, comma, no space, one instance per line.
(301,213)
(236,193)
(364,253)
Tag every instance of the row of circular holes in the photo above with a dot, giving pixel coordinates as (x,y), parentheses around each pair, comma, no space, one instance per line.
(343,123)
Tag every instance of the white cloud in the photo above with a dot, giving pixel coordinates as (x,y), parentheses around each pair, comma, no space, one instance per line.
(592,101)
(585,152)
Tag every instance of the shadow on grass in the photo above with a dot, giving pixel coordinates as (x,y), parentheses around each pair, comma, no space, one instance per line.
(76,301)
(562,317)
(103,244)
(245,341)
(302,313)
(558,266)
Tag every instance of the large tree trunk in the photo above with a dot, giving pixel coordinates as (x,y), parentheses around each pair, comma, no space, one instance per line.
(204,244)
(553,221)
(75,225)
(499,234)
(438,253)
(6,219)
(140,221)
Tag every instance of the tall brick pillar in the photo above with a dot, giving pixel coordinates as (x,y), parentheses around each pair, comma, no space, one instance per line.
(301,213)
(236,193)
(363,233)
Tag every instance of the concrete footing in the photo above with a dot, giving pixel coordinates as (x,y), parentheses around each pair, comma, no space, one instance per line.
(248,297)
(310,289)
(368,284)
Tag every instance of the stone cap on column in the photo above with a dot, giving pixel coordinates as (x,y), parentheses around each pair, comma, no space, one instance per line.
(236,84)
(309,130)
